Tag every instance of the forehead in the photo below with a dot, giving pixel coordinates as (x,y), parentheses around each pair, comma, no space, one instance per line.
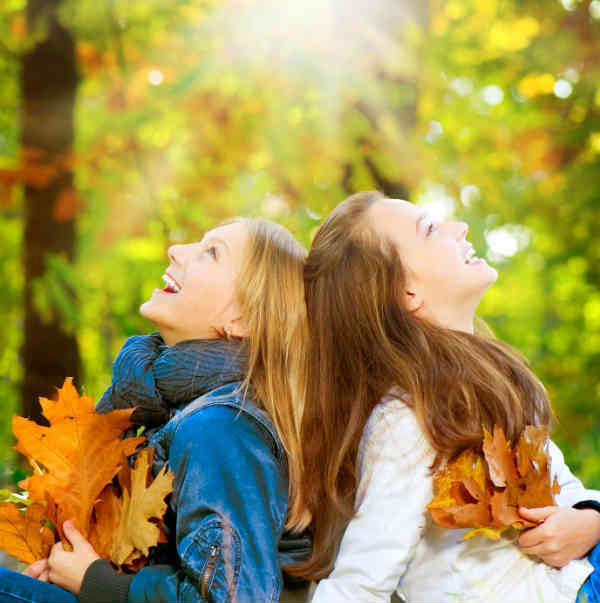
(234,234)
(394,217)
(232,237)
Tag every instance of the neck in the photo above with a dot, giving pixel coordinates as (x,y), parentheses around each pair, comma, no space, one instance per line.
(465,324)
(449,319)
(171,337)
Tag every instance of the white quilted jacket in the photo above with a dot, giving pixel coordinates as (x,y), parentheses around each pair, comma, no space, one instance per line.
(393,545)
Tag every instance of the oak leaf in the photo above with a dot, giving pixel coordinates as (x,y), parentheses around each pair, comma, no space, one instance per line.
(484,491)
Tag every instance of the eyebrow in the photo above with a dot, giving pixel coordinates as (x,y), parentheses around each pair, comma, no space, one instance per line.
(421,217)
(216,240)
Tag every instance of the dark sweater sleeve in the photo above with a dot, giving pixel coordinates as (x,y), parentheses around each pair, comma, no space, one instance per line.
(101,583)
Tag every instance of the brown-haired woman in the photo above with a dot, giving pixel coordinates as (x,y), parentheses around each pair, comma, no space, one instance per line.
(399,383)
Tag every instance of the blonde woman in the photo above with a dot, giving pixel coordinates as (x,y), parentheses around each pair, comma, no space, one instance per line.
(226,365)
(401,383)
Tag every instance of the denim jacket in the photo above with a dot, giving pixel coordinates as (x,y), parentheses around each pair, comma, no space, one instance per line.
(229,503)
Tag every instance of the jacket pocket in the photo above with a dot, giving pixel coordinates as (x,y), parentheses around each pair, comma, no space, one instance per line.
(208,572)
(211,557)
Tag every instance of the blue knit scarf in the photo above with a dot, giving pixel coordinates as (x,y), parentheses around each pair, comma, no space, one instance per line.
(159,379)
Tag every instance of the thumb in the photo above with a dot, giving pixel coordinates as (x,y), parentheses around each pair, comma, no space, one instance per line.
(537,515)
(72,534)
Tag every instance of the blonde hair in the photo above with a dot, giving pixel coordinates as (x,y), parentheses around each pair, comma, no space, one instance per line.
(271,295)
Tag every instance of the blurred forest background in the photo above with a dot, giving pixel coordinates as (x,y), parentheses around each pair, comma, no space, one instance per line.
(129,125)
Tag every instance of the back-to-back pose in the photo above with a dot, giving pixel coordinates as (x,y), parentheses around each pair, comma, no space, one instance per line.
(400,383)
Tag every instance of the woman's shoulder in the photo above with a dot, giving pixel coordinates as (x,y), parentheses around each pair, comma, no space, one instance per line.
(231,407)
(393,432)
(392,414)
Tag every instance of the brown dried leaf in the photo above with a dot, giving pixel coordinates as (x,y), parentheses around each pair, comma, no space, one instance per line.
(498,456)
(484,492)
(530,450)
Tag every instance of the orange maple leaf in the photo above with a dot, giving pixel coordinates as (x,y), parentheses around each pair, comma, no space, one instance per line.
(25,535)
(79,453)
(80,467)
(107,511)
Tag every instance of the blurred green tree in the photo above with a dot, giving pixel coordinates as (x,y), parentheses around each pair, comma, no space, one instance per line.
(191,111)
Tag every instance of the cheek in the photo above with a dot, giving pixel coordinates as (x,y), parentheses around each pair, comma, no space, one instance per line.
(208,295)
(443,268)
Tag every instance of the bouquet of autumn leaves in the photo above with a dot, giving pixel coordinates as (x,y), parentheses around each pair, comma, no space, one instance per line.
(484,491)
(75,461)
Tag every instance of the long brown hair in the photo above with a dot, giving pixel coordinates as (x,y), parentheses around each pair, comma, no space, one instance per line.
(364,342)
(271,293)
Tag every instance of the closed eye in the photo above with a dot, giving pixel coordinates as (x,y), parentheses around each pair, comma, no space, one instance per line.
(430,228)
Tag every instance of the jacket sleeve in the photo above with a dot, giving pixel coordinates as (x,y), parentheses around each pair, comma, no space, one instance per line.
(230,498)
(571,489)
(394,488)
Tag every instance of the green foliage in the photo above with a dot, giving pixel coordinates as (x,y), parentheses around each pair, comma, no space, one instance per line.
(192,111)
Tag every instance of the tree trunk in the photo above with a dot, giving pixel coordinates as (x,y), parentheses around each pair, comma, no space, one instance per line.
(48,87)
(395,185)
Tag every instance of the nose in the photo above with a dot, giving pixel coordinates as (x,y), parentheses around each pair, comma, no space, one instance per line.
(175,253)
(461,229)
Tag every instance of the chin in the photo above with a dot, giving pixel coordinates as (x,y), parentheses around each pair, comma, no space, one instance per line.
(492,275)
(148,310)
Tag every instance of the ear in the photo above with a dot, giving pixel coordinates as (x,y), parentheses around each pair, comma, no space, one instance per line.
(237,327)
(412,300)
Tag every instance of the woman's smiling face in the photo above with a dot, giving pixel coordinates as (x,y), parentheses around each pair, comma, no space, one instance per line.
(445,278)
(200,300)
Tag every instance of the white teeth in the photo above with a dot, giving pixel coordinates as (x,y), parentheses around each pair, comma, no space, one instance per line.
(171,283)
(470,256)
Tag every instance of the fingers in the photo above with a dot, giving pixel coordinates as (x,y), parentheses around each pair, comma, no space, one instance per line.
(531,538)
(537,515)
(45,576)
(57,547)
(36,568)
(544,550)
(543,542)
(545,533)
(72,534)
(553,558)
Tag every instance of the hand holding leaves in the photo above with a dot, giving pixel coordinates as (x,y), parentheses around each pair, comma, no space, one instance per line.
(76,459)
(485,491)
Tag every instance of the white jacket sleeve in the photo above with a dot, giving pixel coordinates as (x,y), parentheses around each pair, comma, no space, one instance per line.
(394,488)
(572,490)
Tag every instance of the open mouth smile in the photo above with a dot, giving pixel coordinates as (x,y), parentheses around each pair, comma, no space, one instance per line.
(471,258)
(172,285)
